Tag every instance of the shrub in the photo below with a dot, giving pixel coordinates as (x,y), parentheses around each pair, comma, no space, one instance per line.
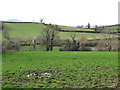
(84,48)
(10,45)
(70,46)
(91,44)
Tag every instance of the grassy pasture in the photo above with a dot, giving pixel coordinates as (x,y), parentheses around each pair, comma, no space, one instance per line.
(24,30)
(74,28)
(113,27)
(65,69)
(38,48)
(66,35)
(27,31)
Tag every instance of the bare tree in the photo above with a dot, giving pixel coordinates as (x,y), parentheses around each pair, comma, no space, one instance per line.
(41,20)
(49,35)
(74,45)
(71,45)
(73,36)
(107,41)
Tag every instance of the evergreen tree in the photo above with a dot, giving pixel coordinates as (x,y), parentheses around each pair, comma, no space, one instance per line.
(88,25)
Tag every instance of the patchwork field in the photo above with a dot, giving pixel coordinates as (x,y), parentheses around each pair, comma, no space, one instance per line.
(39,69)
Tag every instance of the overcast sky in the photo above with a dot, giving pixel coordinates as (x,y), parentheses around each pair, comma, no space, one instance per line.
(61,12)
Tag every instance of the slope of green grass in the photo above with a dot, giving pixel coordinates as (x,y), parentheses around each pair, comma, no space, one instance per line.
(27,31)
(73,28)
(24,30)
(62,69)
(113,27)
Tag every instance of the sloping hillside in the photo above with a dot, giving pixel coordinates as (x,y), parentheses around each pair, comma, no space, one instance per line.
(112,26)
(23,30)
(26,31)
(74,28)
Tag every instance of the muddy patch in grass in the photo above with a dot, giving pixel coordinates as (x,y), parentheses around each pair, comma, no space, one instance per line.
(78,76)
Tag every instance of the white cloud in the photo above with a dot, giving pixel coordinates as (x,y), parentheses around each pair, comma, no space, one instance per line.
(63,12)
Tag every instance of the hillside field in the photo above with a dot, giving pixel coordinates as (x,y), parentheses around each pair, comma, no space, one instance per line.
(27,31)
(39,69)
(113,26)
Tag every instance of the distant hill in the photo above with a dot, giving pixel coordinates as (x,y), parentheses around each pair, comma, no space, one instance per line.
(13,20)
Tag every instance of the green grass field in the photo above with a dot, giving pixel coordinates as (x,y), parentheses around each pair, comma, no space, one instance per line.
(66,35)
(74,28)
(27,31)
(38,48)
(113,27)
(24,30)
(39,69)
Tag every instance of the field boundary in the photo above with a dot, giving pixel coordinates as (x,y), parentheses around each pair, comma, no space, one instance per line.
(85,31)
